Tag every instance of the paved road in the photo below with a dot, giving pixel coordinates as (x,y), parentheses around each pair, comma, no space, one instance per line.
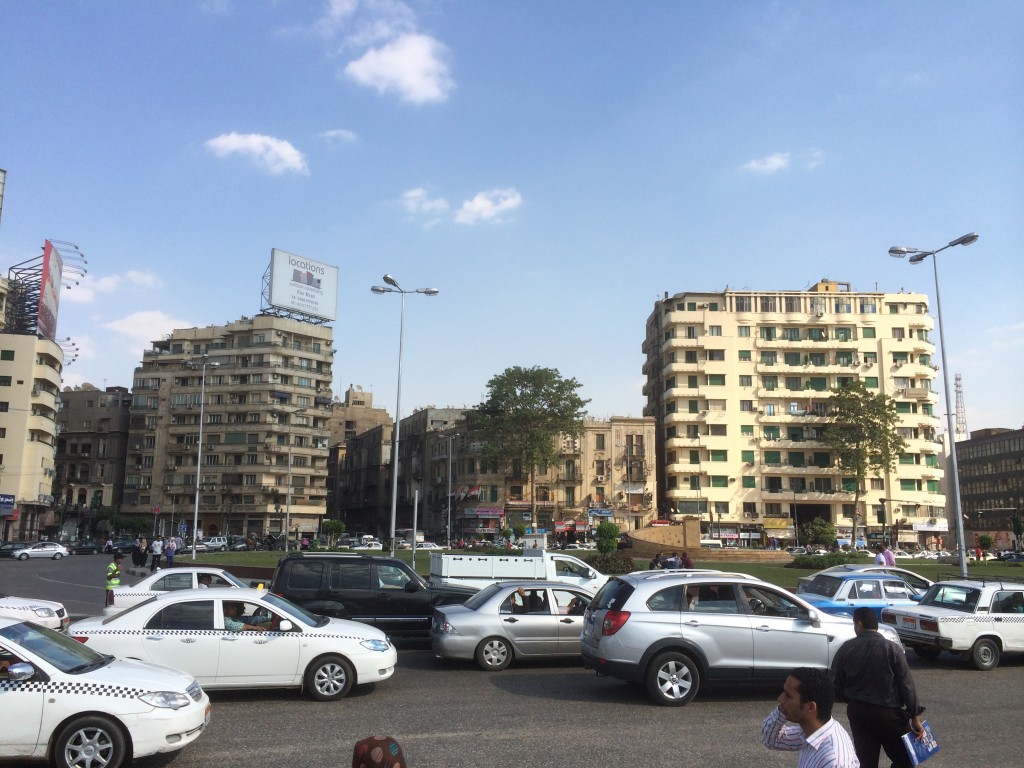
(542,715)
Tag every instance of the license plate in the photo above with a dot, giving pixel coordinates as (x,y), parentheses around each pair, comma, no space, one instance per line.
(907,621)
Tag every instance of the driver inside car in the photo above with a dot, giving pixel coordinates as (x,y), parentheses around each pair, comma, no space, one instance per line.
(235,621)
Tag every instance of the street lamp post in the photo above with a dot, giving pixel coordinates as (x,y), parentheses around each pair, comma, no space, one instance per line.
(916,257)
(393,287)
(451,438)
(288,489)
(199,456)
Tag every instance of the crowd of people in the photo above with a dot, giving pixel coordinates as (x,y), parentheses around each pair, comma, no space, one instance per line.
(674,560)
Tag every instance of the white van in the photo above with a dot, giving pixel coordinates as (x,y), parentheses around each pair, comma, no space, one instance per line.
(710,544)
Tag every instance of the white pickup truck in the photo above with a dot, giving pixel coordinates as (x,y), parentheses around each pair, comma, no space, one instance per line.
(537,564)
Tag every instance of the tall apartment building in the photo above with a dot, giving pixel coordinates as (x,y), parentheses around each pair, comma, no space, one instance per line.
(991,467)
(30,376)
(738,383)
(241,410)
(350,417)
(92,447)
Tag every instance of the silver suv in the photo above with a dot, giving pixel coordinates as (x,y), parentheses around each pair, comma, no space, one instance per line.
(672,630)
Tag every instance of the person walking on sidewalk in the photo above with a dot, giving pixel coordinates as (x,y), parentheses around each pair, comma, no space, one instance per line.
(157,550)
(170,550)
(113,577)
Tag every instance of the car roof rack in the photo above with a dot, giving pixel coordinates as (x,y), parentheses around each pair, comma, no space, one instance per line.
(691,573)
(980,578)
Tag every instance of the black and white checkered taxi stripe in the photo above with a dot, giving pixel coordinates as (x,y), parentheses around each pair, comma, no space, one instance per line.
(70,688)
(207,632)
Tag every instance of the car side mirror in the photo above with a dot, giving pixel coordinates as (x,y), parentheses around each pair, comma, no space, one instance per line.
(592,575)
(412,586)
(21,671)
(285,626)
(916,598)
(814,618)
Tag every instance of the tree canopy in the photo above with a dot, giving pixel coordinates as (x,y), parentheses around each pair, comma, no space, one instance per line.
(862,432)
(525,410)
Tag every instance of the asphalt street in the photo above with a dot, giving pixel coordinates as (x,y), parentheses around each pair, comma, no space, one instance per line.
(540,715)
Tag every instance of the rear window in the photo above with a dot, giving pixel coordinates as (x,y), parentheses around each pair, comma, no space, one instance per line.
(952,596)
(482,596)
(304,574)
(612,596)
(823,585)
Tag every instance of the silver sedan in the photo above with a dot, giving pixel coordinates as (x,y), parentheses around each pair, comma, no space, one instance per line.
(512,619)
(50,549)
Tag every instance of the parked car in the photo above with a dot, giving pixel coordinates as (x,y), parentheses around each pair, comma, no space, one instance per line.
(983,617)
(1014,557)
(511,620)
(238,544)
(429,545)
(51,549)
(11,548)
(81,709)
(169,580)
(84,547)
(293,648)
(370,545)
(216,543)
(42,612)
(124,546)
(672,630)
(918,582)
(381,591)
(843,592)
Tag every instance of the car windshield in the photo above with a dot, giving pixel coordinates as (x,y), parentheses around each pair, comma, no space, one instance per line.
(956,597)
(61,651)
(296,612)
(823,585)
(482,596)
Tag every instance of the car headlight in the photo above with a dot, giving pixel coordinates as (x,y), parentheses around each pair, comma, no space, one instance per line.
(375,645)
(889,634)
(45,613)
(165,699)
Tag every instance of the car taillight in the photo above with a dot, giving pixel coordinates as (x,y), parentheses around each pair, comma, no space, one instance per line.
(888,618)
(613,622)
(929,625)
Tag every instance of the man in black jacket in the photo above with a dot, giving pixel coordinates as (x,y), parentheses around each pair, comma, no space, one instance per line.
(873,678)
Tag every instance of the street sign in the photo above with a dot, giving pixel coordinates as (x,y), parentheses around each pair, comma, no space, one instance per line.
(182,528)
(156,510)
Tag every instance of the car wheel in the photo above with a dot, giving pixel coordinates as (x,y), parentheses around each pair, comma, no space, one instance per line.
(985,654)
(926,652)
(57,556)
(89,742)
(330,678)
(23,556)
(493,654)
(672,679)
(223,549)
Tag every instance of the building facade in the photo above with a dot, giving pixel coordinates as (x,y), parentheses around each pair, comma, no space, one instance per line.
(239,413)
(92,448)
(350,418)
(991,475)
(738,384)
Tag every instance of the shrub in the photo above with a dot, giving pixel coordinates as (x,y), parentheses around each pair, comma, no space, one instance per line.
(611,563)
(820,562)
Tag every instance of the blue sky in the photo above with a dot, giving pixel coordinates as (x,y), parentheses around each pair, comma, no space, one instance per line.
(551,168)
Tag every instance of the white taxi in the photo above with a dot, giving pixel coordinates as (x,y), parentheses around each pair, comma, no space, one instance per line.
(245,638)
(62,700)
(46,613)
(170,580)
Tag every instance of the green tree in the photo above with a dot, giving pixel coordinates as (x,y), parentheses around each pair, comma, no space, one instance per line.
(862,433)
(818,531)
(985,541)
(525,410)
(332,529)
(519,530)
(607,535)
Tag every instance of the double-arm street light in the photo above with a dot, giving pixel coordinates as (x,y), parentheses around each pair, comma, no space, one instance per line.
(199,365)
(916,257)
(393,287)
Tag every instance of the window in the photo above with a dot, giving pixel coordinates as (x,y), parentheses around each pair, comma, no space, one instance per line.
(794,383)
(871,382)
(744,304)
(690,356)
(719,455)
(714,330)
(719,481)
(695,457)
(791,334)
(746,381)
(716,354)
(768,304)
(747,456)
(747,430)
(791,358)
(770,382)
(745,355)
(5,381)
(749,482)
(767,332)
(773,458)
(6,354)
(743,331)
(716,379)
(747,405)
(599,442)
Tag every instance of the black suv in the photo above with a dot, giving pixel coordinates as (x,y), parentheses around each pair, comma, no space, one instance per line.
(382,591)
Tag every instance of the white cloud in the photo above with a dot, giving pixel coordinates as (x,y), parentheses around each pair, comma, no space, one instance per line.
(412,65)
(815,159)
(418,201)
(142,328)
(766,166)
(366,22)
(86,290)
(275,156)
(339,136)
(217,7)
(487,206)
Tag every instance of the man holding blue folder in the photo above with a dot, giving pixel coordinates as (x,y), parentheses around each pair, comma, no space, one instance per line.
(873,678)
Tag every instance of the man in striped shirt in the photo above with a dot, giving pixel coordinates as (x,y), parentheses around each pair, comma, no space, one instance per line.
(806,700)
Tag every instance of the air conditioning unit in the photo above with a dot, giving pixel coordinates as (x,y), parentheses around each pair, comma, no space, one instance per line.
(599,478)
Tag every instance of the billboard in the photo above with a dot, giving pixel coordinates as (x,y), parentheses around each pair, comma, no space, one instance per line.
(302,285)
(49,292)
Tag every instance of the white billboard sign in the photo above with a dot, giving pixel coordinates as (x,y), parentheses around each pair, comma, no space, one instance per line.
(303,285)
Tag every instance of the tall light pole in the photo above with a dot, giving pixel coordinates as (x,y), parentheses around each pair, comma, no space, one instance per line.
(916,257)
(393,287)
(288,489)
(450,439)
(199,456)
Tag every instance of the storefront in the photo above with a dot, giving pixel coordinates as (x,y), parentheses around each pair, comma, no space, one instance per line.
(480,523)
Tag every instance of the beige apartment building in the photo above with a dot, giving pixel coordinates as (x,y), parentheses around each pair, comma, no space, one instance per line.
(738,384)
(241,410)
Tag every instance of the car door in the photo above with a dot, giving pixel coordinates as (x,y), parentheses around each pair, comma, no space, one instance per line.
(865,593)
(254,658)
(398,601)
(24,705)
(569,604)
(783,635)
(1008,617)
(181,635)
(348,590)
(714,621)
(530,623)
(571,571)
(896,593)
